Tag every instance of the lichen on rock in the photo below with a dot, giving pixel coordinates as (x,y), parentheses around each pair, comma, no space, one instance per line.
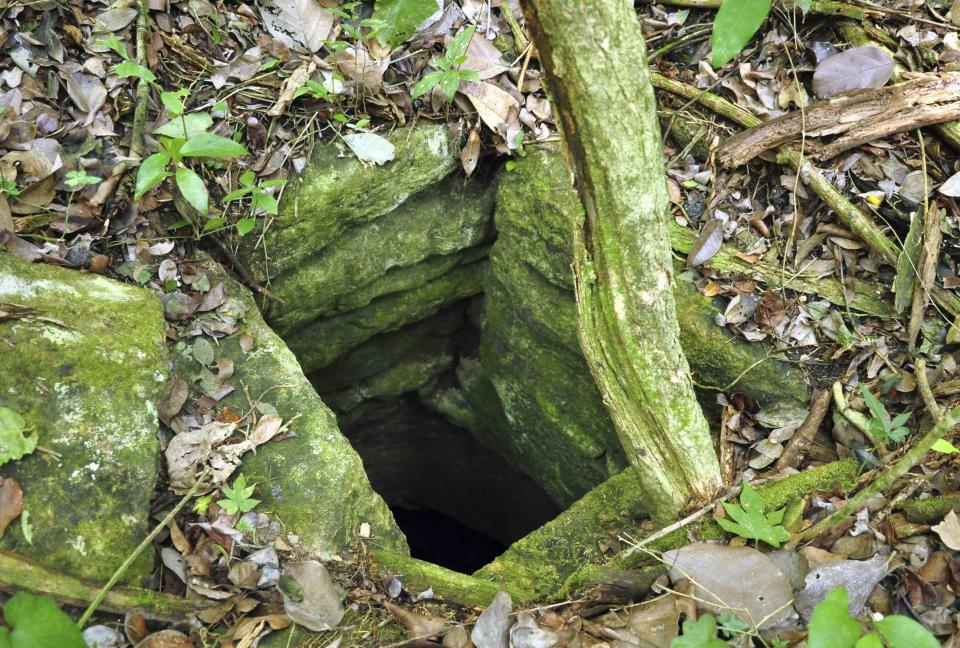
(86,369)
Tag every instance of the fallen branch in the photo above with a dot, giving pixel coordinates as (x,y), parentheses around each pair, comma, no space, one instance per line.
(823,7)
(926,272)
(885,481)
(796,449)
(857,117)
(855,35)
(18,574)
(849,214)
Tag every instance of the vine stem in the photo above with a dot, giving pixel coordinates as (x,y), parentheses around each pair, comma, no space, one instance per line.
(886,479)
(102,594)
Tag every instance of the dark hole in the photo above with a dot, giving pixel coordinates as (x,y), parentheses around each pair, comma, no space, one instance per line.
(459,503)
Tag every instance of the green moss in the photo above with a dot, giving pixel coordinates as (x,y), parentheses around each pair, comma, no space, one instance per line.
(382,351)
(542,560)
(930,510)
(338,191)
(313,483)
(419,240)
(449,585)
(88,379)
(321,342)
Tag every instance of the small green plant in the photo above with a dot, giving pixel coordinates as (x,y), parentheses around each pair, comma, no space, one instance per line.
(749,520)
(34,621)
(9,187)
(881,427)
(128,67)
(237,497)
(448,74)
(16,438)
(730,626)
(261,202)
(701,633)
(735,24)
(315,89)
(79,178)
(202,503)
(183,138)
(831,626)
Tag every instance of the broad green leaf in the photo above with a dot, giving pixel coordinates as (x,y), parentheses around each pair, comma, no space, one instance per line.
(831,625)
(701,633)
(869,641)
(193,189)
(237,193)
(172,102)
(15,439)
(214,224)
(37,622)
(735,24)
(907,264)
(115,44)
(246,225)
(903,632)
(186,126)
(449,84)
(748,520)
(152,171)
(212,146)
(265,203)
(944,446)
(875,406)
(134,69)
(427,83)
(460,43)
(400,18)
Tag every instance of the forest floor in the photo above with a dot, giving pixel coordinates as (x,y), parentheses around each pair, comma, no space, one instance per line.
(849,265)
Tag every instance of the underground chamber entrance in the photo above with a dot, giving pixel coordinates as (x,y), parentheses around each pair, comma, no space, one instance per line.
(459,503)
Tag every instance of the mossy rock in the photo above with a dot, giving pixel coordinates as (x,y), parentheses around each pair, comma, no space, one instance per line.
(313,483)
(321,342)
(433,227)
(338,191)
(85,368)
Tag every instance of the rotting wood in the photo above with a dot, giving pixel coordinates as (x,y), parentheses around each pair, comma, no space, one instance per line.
(866,297)
(796,448)
(849,214)
(20,574)
(856,117)
(593,55)
(856,35)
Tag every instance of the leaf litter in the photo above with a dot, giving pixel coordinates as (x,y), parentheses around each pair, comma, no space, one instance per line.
(82,120)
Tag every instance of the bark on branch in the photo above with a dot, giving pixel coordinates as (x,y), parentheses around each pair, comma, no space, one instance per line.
(594,57)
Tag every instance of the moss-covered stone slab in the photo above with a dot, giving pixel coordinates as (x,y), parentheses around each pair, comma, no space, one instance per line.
(553,422)
(313,483)
(320,343)
(541,561)
(337,191)
(86,368)
(439,222)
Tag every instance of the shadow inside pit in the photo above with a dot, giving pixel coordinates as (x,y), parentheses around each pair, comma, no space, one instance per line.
(459,503)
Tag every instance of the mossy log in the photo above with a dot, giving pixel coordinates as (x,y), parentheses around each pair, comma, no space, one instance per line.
(563,554)
(596,66)
(20,574)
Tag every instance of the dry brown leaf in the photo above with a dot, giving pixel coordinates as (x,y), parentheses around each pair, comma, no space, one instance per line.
(360,66)
(88,94)
(242,68)
(492,103)
(949,531)
(11,502)
(470,153)
(707,244)
(290,86)
(188,450)
(174,396)
(417,625)
(299,24)
(855,69)
(166,639)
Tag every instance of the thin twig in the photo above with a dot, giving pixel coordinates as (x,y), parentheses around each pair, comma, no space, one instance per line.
(920,372)
(796,449)
(886,479)
(102,594)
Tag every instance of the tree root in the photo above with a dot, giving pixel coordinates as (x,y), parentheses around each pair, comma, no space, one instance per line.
(18,574)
